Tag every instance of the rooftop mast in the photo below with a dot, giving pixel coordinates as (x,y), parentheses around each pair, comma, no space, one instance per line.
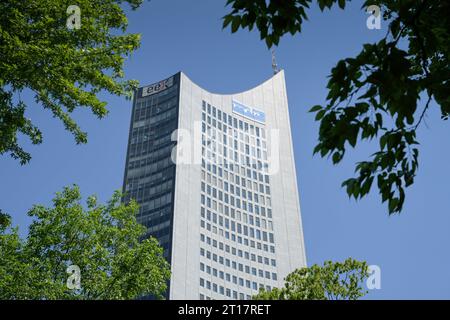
(274,63)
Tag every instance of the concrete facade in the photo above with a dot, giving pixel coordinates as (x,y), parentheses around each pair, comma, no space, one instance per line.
(234,227)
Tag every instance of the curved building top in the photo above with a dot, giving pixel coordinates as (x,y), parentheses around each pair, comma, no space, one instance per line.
(234,225)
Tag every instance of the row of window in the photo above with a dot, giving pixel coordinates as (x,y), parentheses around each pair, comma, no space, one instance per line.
(154,228)
(240,233)
(235,266)
(217,151)
(134,181)
(245,201)
(151,157)
(219,289)
(237,252)
(257,203)
(220,148)
(247,168)
(251,211)
(156,103)
(237,238)
(141,149)
(223,159)
(224,190)
(146,192)
(152,168)
(222,179)
(247,133)
(211,157)
(235,200)
(231,194)
(249,226)
(231,121)
(158,201)
(155,120)
(145,139)
(242,296)
(240,222)
(216,139)
(152,106)
(153,217)
(147,132)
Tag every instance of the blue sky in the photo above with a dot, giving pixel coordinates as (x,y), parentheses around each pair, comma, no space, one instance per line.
(412,249)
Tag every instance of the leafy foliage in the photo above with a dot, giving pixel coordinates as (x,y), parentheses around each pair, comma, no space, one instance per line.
(104,241)
(332,281)
(384,92)
(5,220)
(64,68)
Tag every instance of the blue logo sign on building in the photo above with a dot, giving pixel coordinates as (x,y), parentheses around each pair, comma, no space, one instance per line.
(248,112)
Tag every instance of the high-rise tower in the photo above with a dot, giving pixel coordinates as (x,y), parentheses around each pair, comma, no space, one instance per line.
(227,213)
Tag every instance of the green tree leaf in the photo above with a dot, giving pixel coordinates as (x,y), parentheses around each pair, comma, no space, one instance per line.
(332,281)
(383,92)
(104,241)
(64,68)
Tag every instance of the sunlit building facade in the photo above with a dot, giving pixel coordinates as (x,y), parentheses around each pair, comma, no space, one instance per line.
(215,179)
